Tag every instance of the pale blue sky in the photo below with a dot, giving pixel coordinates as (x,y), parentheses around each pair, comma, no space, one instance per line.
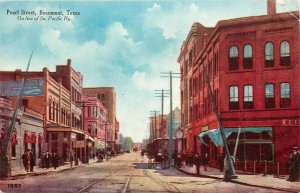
(124,44)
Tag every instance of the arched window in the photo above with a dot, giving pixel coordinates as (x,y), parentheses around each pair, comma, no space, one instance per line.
(269,96)
(233,97)
(269,55)
(233,58)
(248,97)
(248,57)
(285,95)
(285,54)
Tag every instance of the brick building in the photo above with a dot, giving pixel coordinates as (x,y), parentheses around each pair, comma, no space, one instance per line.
(57,105)
(252,66)
(107,96)
(95,116)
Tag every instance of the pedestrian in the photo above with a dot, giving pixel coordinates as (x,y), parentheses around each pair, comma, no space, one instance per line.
(71,159)
(55,160)
(26,160)
(191,159)
(221,162)
(205,160)
(186,159)
(32,160)
(43,160)
(47,159)
(197,162)
(179,160)
(174,157)
(294,164)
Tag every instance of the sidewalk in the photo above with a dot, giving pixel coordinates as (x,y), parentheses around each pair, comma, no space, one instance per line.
(19,173)
(257,180)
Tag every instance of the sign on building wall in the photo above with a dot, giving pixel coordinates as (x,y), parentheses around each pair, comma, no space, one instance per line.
(34,87)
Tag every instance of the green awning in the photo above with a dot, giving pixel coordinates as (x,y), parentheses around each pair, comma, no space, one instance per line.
(215,134)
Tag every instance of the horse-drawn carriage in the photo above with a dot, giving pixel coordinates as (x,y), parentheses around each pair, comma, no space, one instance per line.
(158,153)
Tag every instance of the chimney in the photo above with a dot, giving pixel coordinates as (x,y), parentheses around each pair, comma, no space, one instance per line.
(271,6)
(69,62)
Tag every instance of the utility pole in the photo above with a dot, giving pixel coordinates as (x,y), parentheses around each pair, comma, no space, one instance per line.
(4,161)
(154,129)
(228,157)
(171,111)
(163,94)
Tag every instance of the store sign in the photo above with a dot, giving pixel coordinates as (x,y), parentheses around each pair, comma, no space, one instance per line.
(290,122)
(79,144)
(34,87)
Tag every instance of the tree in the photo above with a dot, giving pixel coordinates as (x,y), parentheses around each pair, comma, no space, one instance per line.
(128,144)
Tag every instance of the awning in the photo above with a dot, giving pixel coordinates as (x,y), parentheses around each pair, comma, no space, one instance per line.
(215,134)
(99,144)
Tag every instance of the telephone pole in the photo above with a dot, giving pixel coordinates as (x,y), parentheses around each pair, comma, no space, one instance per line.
(162,93)
(5,162)
(171,75)
(228,157)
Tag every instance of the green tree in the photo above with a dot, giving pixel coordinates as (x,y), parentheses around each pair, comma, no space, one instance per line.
(128,144)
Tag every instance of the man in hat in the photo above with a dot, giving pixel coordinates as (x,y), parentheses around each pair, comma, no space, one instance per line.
(294,164)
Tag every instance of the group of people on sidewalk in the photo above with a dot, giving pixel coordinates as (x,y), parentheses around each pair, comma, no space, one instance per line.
(46,159)
(28,160)
(191,159)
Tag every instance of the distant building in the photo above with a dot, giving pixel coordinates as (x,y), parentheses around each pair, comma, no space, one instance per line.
(107,96)
(95,116)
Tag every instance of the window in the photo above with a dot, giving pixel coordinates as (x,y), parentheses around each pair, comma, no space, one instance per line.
(285,53)
(285,95)
(269,55)
(89,129)
(13,150)
(50,109)
(95,129)
(233,98)
(95,111)
(248,97)
(233,58)
(89,111)
(269,96)
(248,57)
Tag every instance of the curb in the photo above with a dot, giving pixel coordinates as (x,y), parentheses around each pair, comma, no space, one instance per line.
(237,182)
(18,176)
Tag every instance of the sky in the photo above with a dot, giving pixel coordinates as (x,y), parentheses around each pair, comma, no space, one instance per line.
(120,44)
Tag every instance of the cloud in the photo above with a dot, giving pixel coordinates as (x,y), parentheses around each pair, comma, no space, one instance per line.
(173,20)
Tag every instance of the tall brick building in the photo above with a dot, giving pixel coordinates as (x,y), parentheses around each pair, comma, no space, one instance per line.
(58,106)
(107,96)
(252,66)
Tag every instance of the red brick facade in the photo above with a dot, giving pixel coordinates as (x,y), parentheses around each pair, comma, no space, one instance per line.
(253,69)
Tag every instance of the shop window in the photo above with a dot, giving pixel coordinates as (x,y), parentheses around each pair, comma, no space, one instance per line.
(248,64)
(269,55)
(248,97)
(233,58)
(233,98)
(285,95)
(285,54)
(269,96)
